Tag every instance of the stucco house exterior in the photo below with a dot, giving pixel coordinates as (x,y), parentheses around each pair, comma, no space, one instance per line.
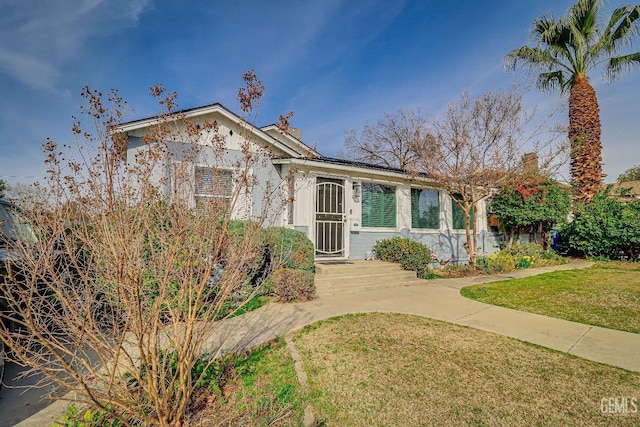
(344,207)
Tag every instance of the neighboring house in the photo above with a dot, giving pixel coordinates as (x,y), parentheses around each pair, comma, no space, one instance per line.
(344,207)
(625,191)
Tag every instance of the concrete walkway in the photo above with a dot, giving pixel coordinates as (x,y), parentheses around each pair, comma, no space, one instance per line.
(438,299)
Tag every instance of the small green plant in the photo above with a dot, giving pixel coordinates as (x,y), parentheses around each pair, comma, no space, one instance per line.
(89,418)
(542,257)
(525,261)
(410,254)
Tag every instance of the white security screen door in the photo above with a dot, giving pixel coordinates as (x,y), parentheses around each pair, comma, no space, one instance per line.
(330,218)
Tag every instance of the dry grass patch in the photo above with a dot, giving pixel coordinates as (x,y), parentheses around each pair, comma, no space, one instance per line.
(607,295)
(399,370)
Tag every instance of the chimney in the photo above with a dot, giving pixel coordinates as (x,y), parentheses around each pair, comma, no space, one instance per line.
(530,165)
(295,132)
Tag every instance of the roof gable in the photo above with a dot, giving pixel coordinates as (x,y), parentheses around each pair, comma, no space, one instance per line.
(283,144)
(275,132)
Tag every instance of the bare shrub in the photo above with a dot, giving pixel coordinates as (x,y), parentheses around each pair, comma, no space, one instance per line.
(127,278)
(291,285)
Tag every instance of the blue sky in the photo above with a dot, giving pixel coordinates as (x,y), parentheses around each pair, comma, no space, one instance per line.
(335,63)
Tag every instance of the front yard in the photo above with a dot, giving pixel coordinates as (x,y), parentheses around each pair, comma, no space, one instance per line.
(400,370)
(393,369)
(382,369)
(607,295)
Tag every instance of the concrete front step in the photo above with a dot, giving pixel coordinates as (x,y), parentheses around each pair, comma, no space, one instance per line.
(392,276)
(355,276)
(343,267)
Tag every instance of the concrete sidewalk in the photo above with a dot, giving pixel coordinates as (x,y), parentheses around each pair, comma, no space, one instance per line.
(438,299)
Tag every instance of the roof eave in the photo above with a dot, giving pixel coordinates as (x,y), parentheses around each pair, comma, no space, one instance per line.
(208,109)
(354,169)
(309,152)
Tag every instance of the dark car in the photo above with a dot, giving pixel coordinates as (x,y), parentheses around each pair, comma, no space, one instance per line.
(15,230)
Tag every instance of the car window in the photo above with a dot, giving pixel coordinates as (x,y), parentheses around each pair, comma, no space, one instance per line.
(15,226)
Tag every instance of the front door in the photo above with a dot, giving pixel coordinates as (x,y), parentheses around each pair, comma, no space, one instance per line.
(330,218)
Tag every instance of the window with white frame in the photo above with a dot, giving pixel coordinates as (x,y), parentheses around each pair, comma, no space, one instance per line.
(425,209)
(213,188)
(378,205)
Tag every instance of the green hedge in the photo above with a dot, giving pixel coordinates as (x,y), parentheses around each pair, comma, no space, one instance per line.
(290,249)
(410,254)
(257,242)
(285,265)
(606,227)
(291,261)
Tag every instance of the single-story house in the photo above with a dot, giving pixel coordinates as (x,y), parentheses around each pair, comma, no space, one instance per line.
(344,207)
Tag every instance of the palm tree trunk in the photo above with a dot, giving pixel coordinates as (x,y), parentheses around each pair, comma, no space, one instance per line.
(584,135)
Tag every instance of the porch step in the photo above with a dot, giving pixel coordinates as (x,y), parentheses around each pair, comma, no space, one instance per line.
(354,276)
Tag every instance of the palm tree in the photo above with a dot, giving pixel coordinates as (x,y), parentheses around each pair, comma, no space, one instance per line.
(566,50)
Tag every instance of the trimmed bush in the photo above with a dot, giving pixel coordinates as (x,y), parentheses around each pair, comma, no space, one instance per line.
(292,285)
(390,249)
(605,227)
(291,257)
(280,249)
(257,244)
(290,249)
(410,254)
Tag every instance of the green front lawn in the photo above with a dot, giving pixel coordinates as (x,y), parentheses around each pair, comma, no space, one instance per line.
(384,369)
(607,295)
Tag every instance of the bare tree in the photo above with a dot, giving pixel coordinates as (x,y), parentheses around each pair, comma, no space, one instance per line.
(392,142)
(475,147)
(116,298)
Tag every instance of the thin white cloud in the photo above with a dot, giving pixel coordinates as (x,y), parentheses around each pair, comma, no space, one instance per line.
(330,21)
(40,37)
(29,70)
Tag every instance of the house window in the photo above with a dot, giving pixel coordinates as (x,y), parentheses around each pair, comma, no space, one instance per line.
(213,188)
(425,208)
(378,205)
(458,214)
